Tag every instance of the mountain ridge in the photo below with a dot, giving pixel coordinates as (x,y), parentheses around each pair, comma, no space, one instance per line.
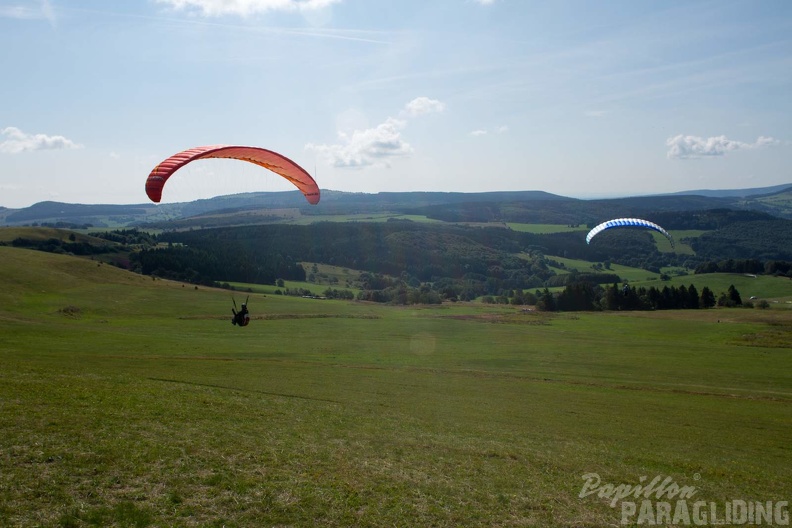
(774,200)
(732,193)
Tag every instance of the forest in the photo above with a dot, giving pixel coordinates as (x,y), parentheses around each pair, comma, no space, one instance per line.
(585,296)
(406,262)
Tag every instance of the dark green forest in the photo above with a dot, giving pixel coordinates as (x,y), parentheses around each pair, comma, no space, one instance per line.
(459,262)
(585,296)
(657,209)
(414,262)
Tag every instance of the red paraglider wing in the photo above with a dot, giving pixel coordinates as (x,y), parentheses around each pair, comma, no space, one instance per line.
(268,159)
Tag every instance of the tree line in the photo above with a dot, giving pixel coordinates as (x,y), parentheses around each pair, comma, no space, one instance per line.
(753,266)
(585,296)
(408,262)
(213,264)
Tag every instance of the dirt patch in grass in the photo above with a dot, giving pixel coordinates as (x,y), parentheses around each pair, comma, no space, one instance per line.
(286,316)
(529,318)
(71,311)
(770,338)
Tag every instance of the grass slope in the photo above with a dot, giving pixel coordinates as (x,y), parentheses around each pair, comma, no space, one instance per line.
(624,272)
(8,234)
(778,204)
(141,405)
(543,229)
(760,286)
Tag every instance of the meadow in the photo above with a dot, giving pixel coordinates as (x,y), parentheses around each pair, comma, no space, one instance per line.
(626,273)
(360,217)
(128,401)
(544,229)
(776,289)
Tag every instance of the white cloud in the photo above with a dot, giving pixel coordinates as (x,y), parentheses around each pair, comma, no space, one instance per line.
(48,12)
(17,141)
(213,8)
(764,141)
(485,2)
(483,132)
(365,148)
(21,12)
(421,106)
(374,147)
(688,147)
(29,11)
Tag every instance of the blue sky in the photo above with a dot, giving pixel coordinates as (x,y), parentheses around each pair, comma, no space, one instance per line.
(579,98)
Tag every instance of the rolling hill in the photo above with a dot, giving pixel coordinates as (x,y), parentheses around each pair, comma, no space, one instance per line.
(507,206)
(734,193)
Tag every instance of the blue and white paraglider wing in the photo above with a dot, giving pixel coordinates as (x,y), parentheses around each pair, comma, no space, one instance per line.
(622,222)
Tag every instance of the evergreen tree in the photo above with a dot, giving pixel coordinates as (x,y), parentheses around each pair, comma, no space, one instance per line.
(692,298)
(734,295)
(546,301)
(707,299)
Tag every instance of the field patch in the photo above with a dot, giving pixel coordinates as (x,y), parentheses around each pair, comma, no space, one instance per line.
(280,316)
(150,409)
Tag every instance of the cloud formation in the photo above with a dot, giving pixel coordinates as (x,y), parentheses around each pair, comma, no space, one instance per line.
(691,147)
(25,11)
(365,148)
(421,106)
(215,8)
(483,132)
(17,141)
(375,147)
(21,12)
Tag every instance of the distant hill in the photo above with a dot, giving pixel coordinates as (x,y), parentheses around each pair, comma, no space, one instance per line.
(65,211)
(733,193)
(777,204)
(333,202)
(503,206)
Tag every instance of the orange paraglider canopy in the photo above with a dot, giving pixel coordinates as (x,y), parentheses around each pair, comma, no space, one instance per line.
(268,159)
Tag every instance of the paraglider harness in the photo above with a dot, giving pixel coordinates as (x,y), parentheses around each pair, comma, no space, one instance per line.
(241,317)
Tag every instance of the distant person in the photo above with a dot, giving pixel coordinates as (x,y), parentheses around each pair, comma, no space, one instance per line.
(241,317)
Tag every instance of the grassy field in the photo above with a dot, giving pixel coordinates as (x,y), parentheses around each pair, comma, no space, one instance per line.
(544,229)
(681,238)
(324,276)
(8,234)
(763,287)
(361,217)
(127,401)
(760,286)
(624,272)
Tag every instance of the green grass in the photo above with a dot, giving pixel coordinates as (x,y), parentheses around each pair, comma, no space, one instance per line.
(333,276)
(543,229)
(325,276)
(682,247)
(7,234)
(776,289)
(360,217)
(679,234)
(760,286)
(126,401)
(624,272)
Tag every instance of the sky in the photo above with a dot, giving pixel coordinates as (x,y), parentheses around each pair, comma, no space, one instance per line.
(574,97)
